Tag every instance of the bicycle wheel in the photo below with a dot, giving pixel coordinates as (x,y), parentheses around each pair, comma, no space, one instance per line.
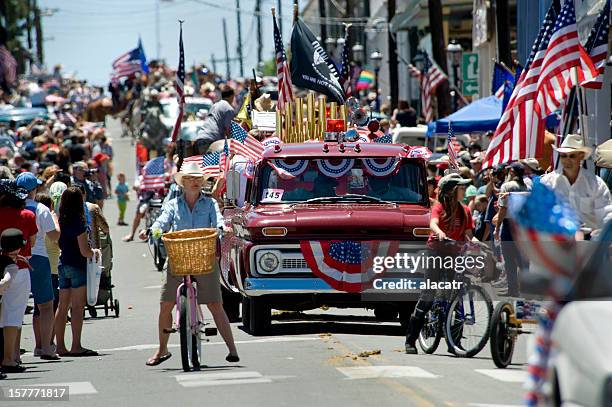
(185,330)
(431,333)
(196,341)
(467,321)
(502,342)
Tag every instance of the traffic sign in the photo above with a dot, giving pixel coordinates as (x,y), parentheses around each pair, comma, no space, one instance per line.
(469,67)
(470,88)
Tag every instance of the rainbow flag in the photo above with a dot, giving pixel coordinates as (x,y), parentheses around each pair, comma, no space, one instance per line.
(365,80)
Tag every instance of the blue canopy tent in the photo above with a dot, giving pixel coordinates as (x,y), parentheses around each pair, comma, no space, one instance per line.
(479,116)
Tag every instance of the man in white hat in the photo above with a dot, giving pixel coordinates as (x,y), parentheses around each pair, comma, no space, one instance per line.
(586,192)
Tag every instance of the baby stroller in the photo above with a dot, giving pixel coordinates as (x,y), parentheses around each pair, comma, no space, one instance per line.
(105,293)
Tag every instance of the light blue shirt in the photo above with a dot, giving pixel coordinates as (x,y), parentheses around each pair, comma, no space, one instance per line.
(176,215)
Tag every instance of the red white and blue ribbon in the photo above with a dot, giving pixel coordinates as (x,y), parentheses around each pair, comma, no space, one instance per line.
(289,169)
(335,168)
(345,265)
(381,167)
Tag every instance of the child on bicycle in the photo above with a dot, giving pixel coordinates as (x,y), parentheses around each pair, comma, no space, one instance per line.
(450,220)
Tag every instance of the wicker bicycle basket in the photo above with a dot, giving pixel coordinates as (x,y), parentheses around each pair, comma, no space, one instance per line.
(191,251)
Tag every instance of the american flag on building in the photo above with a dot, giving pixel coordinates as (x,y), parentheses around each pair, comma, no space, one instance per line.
(180,86)
(285,92)
(153,174)
(430,78)
(129,63)
(244,144)
(345,72)
(8,66)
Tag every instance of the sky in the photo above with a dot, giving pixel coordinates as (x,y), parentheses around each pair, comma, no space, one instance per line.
(85,36)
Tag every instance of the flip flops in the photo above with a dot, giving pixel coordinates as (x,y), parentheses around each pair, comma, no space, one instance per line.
(156,361)
(13,369)
(50,357)
(83,353)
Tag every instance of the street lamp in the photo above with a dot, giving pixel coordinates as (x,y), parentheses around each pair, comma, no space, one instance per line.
(455,53)
(376,58)
(358,53)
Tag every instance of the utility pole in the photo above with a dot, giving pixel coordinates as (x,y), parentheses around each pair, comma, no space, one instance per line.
(214,63)
(503,32)
(393,74)
(39,34)
(259,37)
(439,53)
(279,8)
(29,17)
(157,35)
(227,64)
(323,25)
(239,38)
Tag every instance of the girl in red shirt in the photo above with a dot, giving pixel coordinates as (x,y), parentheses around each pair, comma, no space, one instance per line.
(450,219)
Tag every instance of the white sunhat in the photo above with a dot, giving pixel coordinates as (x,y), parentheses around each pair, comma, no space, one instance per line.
(574,142)
(191,169)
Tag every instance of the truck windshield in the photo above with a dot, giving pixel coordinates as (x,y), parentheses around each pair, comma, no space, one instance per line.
(405,185)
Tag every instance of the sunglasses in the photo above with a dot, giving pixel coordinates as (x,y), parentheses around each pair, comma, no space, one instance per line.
(570,155)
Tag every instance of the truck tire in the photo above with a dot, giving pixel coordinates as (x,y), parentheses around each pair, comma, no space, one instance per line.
(246,314)
(231,304)
(260,317)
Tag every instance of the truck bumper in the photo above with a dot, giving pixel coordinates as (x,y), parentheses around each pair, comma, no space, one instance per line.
(263,286)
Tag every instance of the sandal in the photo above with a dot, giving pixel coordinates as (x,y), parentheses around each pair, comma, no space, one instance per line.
(13,369)
(50,357)
(154,361)
(83,353)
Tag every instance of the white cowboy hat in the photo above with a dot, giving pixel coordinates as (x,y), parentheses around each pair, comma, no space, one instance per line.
(574,142)
(191,169)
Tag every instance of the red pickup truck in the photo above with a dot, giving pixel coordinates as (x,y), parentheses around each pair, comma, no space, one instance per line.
(317,196)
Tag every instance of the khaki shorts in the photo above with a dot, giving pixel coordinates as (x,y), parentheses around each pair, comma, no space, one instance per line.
(209,286)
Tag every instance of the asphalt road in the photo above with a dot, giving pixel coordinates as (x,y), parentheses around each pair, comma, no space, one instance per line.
(309,359)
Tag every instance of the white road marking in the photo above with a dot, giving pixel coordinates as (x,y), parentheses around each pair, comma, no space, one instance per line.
(504,375)
(373,372)
(493,405)
(249,341)
(151,287)
(74,388)
(219,379)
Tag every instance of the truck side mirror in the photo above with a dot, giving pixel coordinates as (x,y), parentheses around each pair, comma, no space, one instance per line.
(236,185)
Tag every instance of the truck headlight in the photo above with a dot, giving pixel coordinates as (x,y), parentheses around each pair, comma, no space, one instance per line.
(268,261)
(607,399)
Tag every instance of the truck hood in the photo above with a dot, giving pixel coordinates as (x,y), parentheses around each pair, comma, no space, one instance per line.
(340,220)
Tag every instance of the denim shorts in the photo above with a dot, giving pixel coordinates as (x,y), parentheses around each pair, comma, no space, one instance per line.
(71,276)
(40,278)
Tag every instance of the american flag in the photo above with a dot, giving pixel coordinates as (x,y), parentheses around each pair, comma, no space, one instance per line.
(386,139)
(285,92)
(452,154)
(345,72)
(153,174)
(564,57)
(208,162)
(431,77)
(501,77)
(129,63)
(224,159)
(510,141)
(597,46)
(8,66)
(244,144)
(180,85)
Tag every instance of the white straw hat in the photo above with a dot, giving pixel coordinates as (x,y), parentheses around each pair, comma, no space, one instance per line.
(574,142)
(191,169)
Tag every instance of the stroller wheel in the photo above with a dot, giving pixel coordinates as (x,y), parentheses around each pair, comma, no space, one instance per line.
(116,308)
